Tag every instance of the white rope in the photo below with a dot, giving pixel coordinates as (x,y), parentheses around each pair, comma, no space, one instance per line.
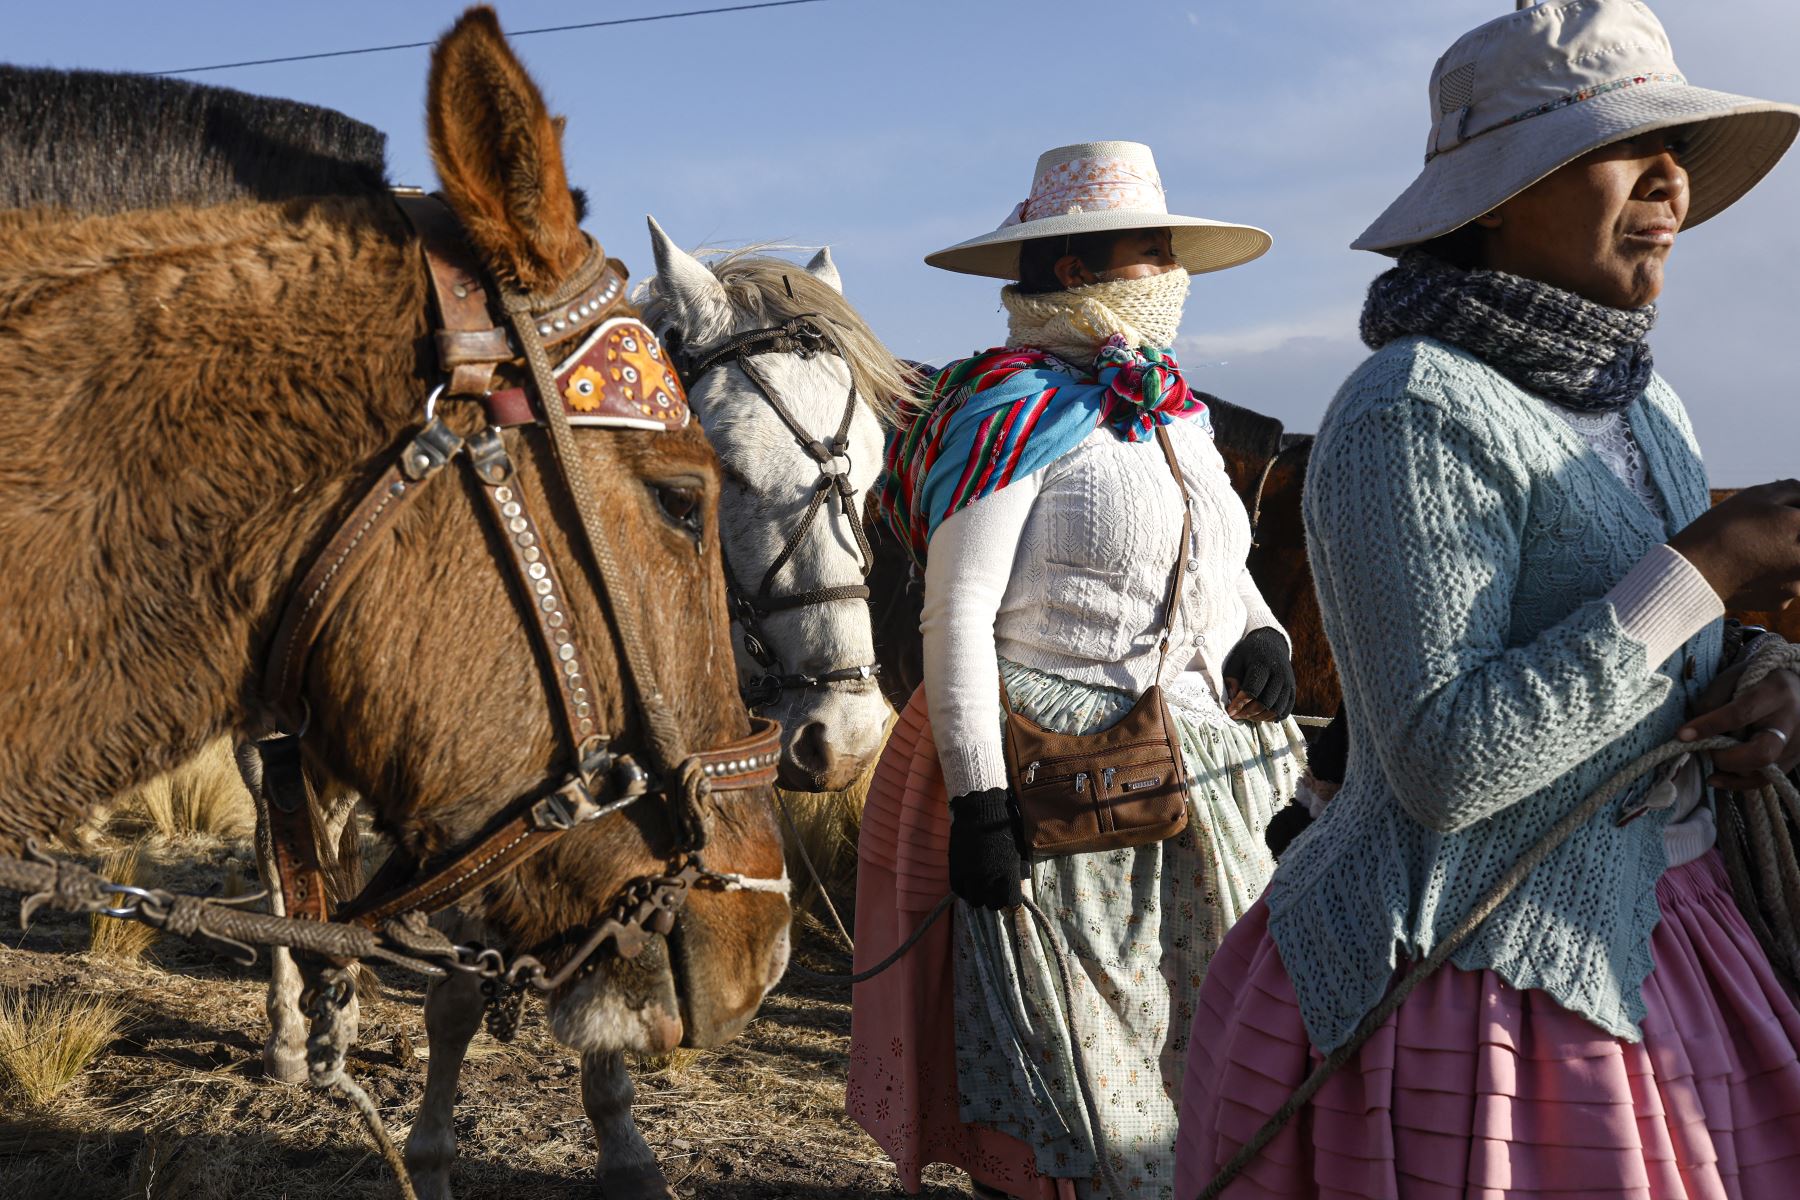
(731,881)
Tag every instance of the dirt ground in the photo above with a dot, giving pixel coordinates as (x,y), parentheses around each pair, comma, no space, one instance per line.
(177,1106)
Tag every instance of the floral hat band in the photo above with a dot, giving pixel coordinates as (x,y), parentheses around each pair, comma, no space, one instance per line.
(1100,187)
(1086,185)
(1452,129)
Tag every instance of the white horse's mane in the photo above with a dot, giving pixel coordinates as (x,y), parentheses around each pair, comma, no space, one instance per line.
(772,290)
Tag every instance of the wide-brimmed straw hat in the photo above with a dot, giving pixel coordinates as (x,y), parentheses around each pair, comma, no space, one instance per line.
(1527,93)
(1092,187)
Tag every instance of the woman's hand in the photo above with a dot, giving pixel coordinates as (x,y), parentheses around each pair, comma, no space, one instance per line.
(1259,678)
(1766,718)
(1748,547)
(985,863)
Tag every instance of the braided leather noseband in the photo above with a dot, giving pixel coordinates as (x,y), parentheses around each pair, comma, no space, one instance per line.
(806,336)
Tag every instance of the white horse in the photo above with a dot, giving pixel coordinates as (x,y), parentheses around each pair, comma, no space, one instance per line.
(809,665)
(792,389)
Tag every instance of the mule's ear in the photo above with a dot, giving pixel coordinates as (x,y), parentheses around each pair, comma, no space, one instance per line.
(695,297)
(498,153)
(825,271)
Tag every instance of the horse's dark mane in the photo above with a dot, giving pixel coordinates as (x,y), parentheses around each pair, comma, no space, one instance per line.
(97,142)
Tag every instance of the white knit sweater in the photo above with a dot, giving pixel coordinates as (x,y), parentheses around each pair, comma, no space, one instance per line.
(1066,570)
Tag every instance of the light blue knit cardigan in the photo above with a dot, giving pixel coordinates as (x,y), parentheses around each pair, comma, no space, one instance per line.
(1463,538)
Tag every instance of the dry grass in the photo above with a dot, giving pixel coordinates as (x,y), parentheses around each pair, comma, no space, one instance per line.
(205,796)
(160,1170)
(674,1063)
(47,1039)
(820,829)
(125,941)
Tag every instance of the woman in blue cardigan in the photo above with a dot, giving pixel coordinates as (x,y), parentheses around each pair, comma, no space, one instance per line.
(1523,588)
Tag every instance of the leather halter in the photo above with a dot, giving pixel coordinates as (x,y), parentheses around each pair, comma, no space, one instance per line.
(604,779)
(806,336)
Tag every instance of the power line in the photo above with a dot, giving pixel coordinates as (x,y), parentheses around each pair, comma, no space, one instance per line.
(517,33)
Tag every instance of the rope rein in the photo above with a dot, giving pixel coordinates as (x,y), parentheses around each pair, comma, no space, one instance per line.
(1766,803)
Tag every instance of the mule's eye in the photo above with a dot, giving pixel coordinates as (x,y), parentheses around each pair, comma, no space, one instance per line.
(681,504)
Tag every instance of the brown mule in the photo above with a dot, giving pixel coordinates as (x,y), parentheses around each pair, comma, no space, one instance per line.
(208,386)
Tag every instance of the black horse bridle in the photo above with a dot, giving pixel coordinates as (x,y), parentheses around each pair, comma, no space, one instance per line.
(807,337)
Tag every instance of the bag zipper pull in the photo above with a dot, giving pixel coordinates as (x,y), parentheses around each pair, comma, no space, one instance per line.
(1081,779)
(1031,772)
(1106,777)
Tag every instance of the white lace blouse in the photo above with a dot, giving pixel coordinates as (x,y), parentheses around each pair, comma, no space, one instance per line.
(1066,570)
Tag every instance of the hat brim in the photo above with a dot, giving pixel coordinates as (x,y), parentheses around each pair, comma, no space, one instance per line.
(1200,244)
(1738,140)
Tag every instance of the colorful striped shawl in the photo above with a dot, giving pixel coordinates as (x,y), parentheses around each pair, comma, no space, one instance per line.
(982,422)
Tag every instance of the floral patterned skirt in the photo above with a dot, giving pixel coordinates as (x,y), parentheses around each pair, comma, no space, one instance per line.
(971,1051)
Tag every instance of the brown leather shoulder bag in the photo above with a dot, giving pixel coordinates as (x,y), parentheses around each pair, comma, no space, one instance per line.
(1123,786)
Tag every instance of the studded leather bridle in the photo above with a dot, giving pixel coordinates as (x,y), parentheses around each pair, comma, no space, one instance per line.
(805,336)
(614,377)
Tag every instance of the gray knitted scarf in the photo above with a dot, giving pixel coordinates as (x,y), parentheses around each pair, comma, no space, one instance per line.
(1552,343)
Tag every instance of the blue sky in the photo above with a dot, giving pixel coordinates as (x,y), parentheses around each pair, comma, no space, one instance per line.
(889,128)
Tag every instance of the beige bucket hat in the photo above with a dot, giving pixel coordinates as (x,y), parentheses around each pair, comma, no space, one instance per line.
(1092,187)
(1520,96)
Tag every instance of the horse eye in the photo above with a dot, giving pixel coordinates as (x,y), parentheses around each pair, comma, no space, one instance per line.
(680,503)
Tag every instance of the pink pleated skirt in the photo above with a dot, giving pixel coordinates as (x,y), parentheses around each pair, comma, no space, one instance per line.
(902,1085)
(1475,1089)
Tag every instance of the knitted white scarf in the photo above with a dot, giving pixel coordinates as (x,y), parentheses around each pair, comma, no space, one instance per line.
(1073,325)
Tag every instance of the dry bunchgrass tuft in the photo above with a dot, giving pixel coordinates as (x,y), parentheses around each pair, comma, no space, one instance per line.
(125,941)
(205,796)
(48,1038)
(673,1063)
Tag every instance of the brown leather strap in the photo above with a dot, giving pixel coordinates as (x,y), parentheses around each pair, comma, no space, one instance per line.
(460,297)
(592,304)
(487,346)
(540,589)
(489,859)
(1173,600)
(470,343)
(510,408)
(311,603)
(749,762)
(288,802)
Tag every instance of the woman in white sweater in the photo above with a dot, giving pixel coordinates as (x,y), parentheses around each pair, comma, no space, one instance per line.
(1031,486)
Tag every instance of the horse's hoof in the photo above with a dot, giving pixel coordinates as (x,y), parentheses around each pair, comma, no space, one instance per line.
(642,1182)
(284,1066)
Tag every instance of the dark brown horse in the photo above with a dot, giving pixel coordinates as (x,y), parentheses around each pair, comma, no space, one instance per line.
(200,375)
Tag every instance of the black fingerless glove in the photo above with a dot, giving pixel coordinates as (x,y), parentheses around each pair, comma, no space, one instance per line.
(1328,756)
(985,863)
(1263,671)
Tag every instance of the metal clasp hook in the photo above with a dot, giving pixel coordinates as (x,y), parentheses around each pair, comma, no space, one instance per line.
(138,896)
